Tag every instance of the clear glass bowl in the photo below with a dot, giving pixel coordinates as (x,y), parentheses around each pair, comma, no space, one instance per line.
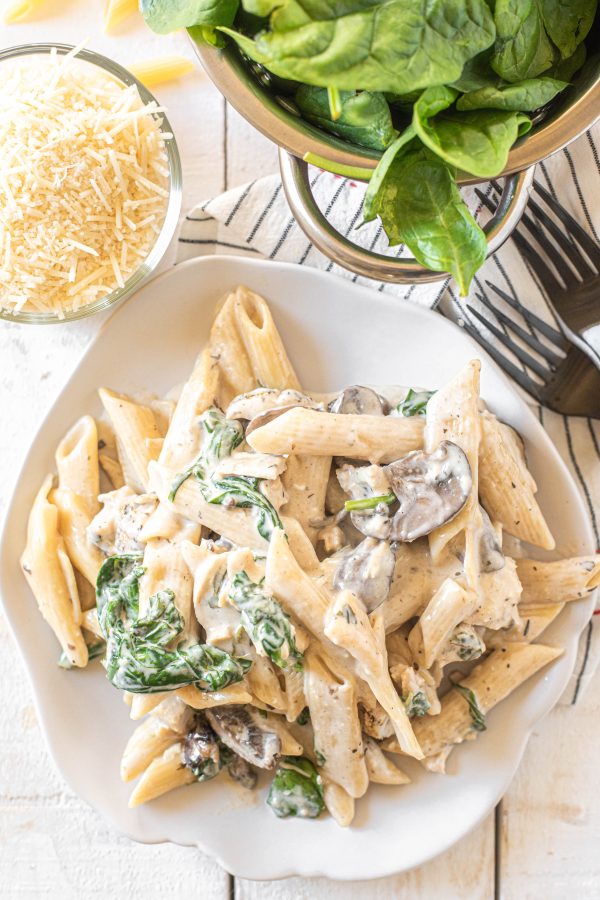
(169,225)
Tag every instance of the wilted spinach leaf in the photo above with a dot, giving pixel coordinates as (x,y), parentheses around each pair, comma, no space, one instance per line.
(296,789)
(265,622)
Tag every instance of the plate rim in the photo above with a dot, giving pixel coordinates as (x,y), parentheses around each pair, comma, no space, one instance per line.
(300,870)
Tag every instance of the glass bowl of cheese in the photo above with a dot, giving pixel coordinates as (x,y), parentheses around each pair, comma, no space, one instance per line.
(90,183)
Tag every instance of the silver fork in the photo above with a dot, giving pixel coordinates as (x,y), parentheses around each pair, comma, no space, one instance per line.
(562,377)
(570,273)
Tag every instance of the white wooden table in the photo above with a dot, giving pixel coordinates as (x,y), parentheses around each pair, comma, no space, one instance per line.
(543,840)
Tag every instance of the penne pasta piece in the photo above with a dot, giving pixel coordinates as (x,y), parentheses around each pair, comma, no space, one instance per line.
(305,483)
(165,773)
(293,587)
(263,682)
(21,9)
(115,12)
(226,345)
(73,521)
(334,718)
(46,568)
(156,71)
(294,693)
(77,463)
(113,469)
(490,681)
(142,704)
(533,620)
(182,440)
(560,581)
(453,415)
(89,621)
(449,606)
(197,699)
(165,569)
(268,360)
(382,770)
(134,426)
(166,724)
(309,432)
(348,626)
(506,487)
(339,803)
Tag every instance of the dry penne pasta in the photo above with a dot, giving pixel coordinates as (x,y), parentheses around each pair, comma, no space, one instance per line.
(156,71)
(279,579)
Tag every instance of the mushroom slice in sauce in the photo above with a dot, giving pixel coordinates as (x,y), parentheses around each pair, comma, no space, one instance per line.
(431,489)
(491,557)
(243,730)
(367,572)
(242,772)
(359,401)
(260,400)
(201,751)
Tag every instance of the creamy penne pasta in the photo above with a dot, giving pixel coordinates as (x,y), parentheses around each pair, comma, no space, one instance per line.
(294,582)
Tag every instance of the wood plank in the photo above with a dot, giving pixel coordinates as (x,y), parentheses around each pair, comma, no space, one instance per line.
(249,153)
(464,871)
(551,815)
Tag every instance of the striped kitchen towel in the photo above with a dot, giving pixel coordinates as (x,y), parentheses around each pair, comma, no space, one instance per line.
(254,220)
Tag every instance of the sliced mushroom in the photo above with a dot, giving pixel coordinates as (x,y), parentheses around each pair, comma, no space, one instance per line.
(242,772)
(242,729)
(367,572)
(491,557)
(261,400)
(201,751)
(431,489)
(361,401)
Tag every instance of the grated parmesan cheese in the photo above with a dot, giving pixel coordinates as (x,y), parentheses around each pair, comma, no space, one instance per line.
(83,183)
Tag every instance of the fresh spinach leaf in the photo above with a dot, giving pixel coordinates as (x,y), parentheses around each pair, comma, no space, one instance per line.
(394,45)
(477,142)
(565,69)
(164,16)
(477,716)
(568,22)
(523,49)
(364,120)
(525,96)
(420,204)
(415,403)
(265,622)
(297,789)
(477,73)
(373,194)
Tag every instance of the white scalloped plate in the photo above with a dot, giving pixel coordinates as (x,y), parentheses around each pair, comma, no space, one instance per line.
(336,334)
